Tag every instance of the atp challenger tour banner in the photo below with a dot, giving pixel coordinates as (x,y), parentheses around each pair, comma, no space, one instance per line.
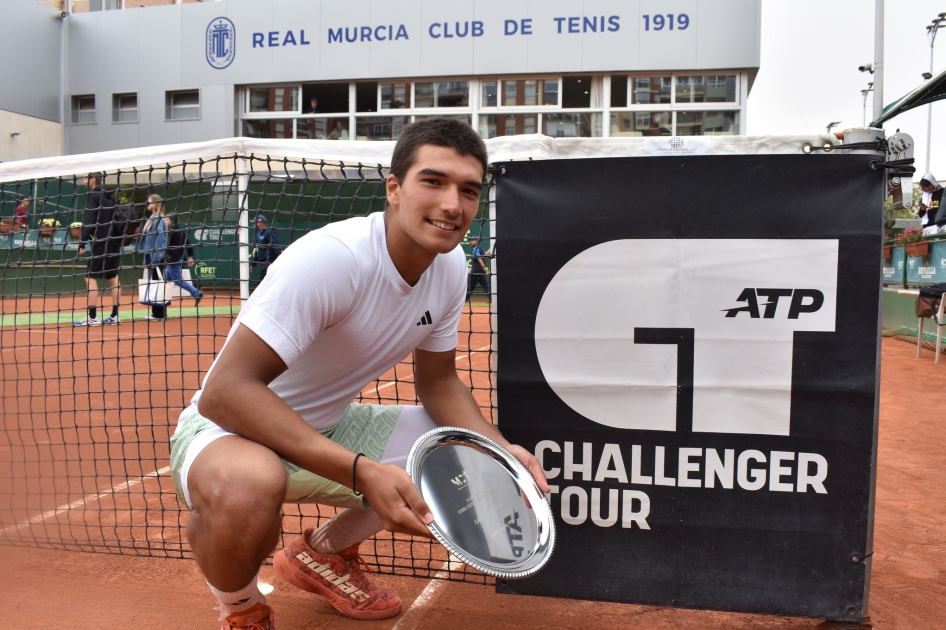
(690,347)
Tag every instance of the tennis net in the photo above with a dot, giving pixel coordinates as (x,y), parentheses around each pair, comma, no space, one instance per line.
(87,410)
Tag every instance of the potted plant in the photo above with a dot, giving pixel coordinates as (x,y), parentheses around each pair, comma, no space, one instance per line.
(75,230)
(913,242)
(888,250)
(47,227)
(6,225)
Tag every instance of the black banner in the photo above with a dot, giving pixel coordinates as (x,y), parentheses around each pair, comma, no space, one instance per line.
(690,346)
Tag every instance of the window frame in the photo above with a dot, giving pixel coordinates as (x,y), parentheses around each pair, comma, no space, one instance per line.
(169,105)
(117,108)
(245,108)
(75,110)
(516,109)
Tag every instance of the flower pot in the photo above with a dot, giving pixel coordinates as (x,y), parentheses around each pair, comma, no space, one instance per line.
(887,252)
(47,231)
(5,227)
(918,249)
(75,233)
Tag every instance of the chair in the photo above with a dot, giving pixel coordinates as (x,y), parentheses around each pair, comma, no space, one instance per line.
(939,330)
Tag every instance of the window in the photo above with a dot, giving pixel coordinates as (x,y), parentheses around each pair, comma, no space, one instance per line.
(706,89)
(276,99)
(508,124)
(330,98)
(489,94)
(647,90)
(83,109)
(182,105)
(380,127)
(366,97)
(444,94)
(618,90)
(395,95)
(125,107)
(576,92)
(633,124)
(530,92)
(572,125)
(267,128)
(334,128)
(708,123)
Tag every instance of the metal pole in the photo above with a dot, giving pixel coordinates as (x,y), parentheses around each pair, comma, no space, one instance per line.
(243,232)
(929,108)
(878,59)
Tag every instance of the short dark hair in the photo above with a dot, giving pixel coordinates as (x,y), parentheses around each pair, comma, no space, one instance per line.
(97,176)
(441,132)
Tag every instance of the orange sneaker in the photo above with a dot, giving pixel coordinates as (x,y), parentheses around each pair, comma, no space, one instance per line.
(336,577)
(259,617)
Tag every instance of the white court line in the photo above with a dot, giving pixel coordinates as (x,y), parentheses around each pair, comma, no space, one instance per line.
(416,611)
(83,501)
(460,357)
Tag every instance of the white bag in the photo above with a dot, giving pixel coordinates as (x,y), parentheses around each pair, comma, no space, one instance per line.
(153,292)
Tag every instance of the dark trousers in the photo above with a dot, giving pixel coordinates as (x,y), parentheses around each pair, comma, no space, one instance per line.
(481,279)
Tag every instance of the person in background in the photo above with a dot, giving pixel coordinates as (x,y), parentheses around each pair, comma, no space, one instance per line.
(153,243)
(106,249)
(931,205)
(312,107)
(479,273)
(21,215)
(267,247)
(177,243)
(339,132)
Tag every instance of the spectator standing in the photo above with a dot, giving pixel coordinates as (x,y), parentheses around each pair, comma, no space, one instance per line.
(479,272)
(106,249)
(266,248)
(21,215)
(931,210)
(153,243)
(178,242)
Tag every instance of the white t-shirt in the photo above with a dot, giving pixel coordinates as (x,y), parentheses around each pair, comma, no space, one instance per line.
(338,313)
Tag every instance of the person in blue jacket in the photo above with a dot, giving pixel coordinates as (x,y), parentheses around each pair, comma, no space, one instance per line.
(266,247)
(153,243)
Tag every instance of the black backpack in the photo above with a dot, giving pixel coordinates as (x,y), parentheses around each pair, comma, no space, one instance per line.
(126,223)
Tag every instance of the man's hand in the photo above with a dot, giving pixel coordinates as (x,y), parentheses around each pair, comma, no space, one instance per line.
(532,464)
(394,497)
(81,249)
(190,261)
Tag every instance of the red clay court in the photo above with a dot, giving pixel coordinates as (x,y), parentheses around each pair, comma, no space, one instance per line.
(104,455)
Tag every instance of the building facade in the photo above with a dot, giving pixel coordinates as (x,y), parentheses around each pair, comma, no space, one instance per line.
(363,69)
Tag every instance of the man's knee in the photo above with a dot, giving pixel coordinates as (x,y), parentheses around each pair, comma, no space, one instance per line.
(236,477)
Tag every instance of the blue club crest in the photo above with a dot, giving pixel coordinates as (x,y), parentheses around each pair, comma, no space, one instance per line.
(221,43)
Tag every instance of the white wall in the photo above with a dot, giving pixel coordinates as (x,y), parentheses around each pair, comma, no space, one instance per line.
(37,137)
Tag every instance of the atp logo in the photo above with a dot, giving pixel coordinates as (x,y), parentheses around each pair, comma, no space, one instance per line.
(220,43)
(646,334)
(676,142)
(798,305)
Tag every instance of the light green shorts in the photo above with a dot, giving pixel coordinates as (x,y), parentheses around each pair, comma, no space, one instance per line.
(363,429)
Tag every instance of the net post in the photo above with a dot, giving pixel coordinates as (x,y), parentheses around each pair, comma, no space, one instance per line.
(494,306)
(243,232)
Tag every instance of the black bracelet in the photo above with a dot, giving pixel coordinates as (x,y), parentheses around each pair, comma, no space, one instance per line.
(354,465)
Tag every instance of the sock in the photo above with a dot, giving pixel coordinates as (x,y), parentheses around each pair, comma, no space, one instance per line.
(240,600)
(114,310)
(92,311)
(348,528)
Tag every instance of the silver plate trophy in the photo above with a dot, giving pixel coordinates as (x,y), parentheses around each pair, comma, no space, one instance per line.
(488,510)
